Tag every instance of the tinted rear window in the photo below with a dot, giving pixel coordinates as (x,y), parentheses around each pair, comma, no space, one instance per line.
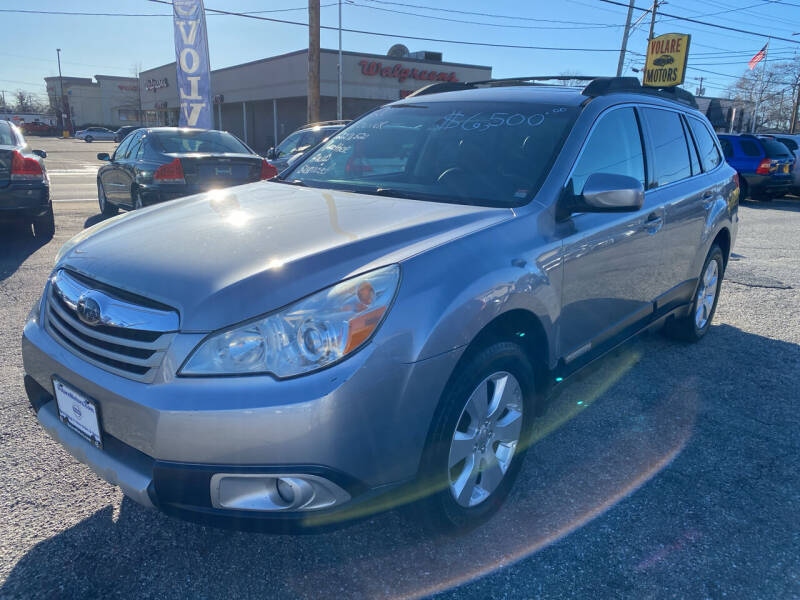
(775,149)
(189,141)
(750,148)
(6,135)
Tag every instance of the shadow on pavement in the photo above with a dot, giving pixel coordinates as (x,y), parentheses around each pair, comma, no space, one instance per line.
(788,204)
(16,245)
(717,434)
(94,220)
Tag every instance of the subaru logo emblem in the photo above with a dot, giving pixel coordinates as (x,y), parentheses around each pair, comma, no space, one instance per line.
(88,309)
(77,410)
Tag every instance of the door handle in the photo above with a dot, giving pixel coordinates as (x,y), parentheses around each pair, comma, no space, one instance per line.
(653,223)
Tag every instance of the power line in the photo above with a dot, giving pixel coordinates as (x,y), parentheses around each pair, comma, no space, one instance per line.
(706,23)
(101,14)
(482,23)
(404,36)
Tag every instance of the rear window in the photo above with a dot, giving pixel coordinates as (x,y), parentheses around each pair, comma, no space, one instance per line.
(6,135)
(709,154)
(489,154)
(775,149)
(727,147)
(750,148)
(188,141)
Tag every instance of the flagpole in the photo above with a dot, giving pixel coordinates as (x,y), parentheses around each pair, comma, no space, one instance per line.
(761,88)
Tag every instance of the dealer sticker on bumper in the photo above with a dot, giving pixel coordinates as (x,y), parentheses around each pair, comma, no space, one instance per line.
(78,412)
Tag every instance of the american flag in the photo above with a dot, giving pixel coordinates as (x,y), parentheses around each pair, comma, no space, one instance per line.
(762,54)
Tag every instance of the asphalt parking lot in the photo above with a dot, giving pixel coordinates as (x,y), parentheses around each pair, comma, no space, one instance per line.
(665,470)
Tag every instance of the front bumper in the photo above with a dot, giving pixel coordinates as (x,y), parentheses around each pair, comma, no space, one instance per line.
(361,424)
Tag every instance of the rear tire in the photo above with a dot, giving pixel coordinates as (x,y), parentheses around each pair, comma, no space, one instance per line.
(44,226)
(697,322)
(500,381)
(744,190)
(108,209)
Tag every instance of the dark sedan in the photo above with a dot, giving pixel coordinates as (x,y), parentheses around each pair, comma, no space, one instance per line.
(24,184)
(162,163)
(121,133)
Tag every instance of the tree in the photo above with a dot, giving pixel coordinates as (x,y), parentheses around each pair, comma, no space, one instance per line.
(772,90)
(24,102)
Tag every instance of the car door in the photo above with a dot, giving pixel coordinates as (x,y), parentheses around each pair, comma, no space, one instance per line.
(129,165)
(610,268)
(113,179)
(677,183)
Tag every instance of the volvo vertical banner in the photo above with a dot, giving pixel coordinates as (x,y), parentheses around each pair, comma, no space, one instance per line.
(191,52)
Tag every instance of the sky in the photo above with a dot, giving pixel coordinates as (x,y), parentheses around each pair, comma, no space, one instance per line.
(115,45)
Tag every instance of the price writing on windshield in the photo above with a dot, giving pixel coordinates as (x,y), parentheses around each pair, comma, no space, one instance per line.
(483,121)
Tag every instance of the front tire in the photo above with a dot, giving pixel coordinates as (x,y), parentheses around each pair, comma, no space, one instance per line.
(696,324)
(108,209)
(478,439)
(88,139)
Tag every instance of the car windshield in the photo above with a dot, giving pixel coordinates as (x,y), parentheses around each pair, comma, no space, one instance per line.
(188,141)
(489,154)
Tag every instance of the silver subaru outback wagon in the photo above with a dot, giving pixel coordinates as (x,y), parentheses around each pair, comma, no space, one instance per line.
(386,318)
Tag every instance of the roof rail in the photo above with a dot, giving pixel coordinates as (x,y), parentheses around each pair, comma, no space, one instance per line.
(608,85)
(320,123)
(597,86)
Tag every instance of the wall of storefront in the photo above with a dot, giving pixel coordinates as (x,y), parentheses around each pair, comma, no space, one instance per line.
(106,100)
(256,96)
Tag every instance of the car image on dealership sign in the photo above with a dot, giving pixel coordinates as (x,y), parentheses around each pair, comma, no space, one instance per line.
(666,60)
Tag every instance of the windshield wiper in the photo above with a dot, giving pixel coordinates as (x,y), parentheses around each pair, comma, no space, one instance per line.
(292,182)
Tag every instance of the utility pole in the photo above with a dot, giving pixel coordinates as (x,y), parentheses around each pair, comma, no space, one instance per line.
(339,95)
(793,123)
(625,34)
(700,90)
(61,91)
(653,20)
(313,61)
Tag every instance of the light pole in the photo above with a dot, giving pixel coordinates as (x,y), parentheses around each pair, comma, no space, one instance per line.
(339,95)
(61,92)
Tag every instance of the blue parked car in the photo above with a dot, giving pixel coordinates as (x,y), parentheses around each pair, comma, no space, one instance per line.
(765,166)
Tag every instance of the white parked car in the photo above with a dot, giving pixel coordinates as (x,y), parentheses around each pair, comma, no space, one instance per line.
(95,133)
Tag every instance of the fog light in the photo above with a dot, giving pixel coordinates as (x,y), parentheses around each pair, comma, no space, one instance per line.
(274,492)
(285,491)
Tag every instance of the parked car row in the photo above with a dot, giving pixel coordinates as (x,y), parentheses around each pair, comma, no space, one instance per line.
(387,315)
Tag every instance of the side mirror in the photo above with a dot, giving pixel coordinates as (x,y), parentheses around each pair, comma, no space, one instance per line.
(40,153)
(606,192)
(103,156)
(271,153)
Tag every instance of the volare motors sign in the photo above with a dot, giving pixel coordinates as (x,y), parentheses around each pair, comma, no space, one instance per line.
(666,60)
(400,72)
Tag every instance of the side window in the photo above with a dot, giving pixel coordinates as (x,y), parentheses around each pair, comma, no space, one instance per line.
(750,148)
(670,147)
(692,149)
(308,139)
(119,153)
(133,147)
(615,146)
(727,147)
(142,145)
(709,154)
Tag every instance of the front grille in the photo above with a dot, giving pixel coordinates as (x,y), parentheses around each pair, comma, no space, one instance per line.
(128,339)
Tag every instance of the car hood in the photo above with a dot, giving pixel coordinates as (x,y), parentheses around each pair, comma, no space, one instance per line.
(229,255)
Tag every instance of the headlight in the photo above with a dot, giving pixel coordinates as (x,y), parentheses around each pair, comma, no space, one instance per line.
(307,335)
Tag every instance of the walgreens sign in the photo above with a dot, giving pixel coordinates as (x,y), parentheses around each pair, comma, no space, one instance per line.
(400,72)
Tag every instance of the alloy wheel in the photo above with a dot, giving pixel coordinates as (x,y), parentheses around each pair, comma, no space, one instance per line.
(486,437)
(706,294)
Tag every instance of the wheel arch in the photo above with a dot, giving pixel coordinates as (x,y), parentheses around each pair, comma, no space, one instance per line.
(723,240)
